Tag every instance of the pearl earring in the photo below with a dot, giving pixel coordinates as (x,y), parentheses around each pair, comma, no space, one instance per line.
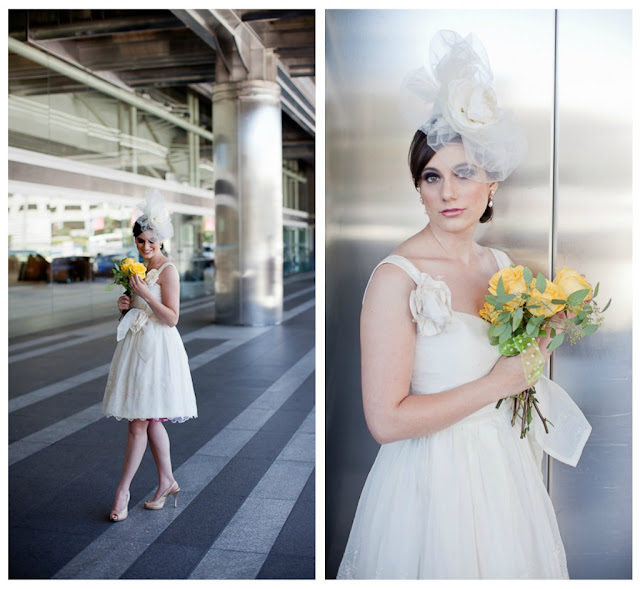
(491,199)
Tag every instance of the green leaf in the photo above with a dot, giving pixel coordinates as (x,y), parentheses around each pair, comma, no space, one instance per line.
(589,328)
(506,298)
(595,290)
(528,275)
(541,283)
(577,297)
(539,320)
(517,317)
(506,335)
(500,289)
(504,317)
(531,328)
(497,329)
(556,342)
(558,301)
(491,299)
(606,306)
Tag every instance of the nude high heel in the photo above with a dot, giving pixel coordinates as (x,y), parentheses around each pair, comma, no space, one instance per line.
(174,489)
(118,516)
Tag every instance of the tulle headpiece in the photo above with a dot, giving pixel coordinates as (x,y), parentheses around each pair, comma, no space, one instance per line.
(464,105)
(155,217)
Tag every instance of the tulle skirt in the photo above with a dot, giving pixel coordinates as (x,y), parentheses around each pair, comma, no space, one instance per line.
(468,502)
(149,377)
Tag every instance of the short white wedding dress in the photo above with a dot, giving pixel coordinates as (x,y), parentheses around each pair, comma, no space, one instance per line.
(149,376)
(467,502)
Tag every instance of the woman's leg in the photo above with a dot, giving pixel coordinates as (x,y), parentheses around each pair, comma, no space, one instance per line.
(161,449)
(136,445)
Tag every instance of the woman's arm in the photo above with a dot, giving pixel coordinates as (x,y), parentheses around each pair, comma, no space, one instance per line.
(388,338)
(167,311)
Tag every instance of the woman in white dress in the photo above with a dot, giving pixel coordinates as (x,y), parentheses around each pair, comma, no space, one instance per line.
(454,492)
(149,381)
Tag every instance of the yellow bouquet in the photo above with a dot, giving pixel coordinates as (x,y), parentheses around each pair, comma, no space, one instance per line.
(123,271)
(522,308)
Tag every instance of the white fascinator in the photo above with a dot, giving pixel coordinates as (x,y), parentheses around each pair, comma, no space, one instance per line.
(461,105)
(155,216)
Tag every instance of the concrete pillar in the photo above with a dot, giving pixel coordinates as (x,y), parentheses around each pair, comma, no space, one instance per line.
(247,128)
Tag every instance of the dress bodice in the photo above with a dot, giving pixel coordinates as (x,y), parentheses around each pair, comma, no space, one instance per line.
(151,280)
(452,348)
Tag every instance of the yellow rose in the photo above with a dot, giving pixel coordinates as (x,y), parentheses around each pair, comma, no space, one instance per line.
(514,284)
(570,281)
(126,264)
(512,278)
(546,307)
(488,312)
(139,269)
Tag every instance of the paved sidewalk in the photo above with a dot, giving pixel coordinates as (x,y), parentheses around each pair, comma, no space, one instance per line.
(246,466)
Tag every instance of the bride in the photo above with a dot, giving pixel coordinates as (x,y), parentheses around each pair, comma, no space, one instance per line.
(454,492)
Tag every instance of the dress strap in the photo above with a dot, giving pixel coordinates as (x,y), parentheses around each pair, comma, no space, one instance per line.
(164,266)
(402,263)
(501,258)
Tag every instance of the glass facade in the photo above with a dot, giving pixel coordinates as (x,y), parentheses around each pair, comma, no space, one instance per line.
(82,160)
(298,238)
(67,228)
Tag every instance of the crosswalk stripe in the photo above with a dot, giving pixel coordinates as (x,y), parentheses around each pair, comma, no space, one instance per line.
(298,293)
(113,552)
(210,330)
(253,530)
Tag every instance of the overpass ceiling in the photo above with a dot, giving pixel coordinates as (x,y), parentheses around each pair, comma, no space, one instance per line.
(150,51)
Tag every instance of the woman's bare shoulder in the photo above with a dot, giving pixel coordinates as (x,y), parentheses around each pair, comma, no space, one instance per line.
(389,287)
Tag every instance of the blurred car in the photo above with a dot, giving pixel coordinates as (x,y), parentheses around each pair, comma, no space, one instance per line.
(208,251)
(28,265)
(102,265)
(71,269)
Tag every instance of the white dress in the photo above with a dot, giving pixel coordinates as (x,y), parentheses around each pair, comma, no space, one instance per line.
(469,501)
(149,376)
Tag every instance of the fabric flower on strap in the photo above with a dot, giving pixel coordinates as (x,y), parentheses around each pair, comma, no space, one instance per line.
(430,305)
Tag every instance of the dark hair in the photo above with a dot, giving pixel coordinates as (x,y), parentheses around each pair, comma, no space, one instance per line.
(420,153)
(137,230)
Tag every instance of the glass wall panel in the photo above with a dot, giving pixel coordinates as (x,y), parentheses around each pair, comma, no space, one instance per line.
(65,119)
(61,250)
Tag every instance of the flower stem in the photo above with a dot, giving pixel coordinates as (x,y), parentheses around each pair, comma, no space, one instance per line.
(544,420)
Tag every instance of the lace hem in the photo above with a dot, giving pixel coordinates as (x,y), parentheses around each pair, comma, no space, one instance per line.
(171,419)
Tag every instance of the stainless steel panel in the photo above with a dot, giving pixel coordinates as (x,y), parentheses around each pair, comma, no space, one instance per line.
(593,234)
(371,205)
(248,162)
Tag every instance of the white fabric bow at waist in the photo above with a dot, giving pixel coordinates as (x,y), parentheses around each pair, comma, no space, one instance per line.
(570,430)
(135,320)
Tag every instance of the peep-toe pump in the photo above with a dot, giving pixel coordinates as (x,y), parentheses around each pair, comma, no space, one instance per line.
(118,516)
(174,489)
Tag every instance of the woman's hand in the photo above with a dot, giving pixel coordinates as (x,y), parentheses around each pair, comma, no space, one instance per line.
(140,287)
(510,374)
(124,303)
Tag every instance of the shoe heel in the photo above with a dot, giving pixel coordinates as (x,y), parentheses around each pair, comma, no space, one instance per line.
(175,498)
